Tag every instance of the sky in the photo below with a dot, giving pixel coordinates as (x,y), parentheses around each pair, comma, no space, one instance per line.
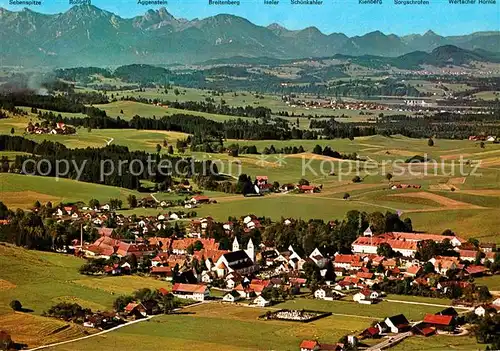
(345,16)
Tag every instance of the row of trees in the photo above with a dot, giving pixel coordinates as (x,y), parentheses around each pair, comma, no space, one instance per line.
(111,165)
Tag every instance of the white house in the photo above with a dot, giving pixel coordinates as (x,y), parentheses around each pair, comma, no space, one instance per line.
(261,302)
(327,294)
(397,324)
(480,311)
(231,296)
(196,292)
(366,297)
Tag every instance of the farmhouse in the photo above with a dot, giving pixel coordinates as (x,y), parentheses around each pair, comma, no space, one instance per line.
(439,321)
(261,301)
(345,261)
(196,292)
(231,296)
(327,293)
(413,271)
(136,310)
(397,324)
(199,199)
(484,310)
(366,297)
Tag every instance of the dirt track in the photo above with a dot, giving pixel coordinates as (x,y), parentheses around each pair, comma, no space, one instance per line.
(447,203)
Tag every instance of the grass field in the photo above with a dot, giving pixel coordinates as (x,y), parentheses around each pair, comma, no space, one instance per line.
(41,279)
(22,191)
(132,108)
(493,283)
(439,343)
(31,330)
(469,210)
(230,327)
(348,307)
(222,327)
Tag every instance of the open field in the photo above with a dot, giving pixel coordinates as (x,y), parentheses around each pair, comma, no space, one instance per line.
(132,108)
(22,190)
(348,307)
(225,327)
(468,210)
(231,327)
(439,343)
(34,330)
(40,280)
(493,283)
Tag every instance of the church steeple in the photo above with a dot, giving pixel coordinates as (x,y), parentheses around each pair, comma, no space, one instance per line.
(236,245)
(250,250)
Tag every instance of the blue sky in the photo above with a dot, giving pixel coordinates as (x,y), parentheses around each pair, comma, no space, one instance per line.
(346,16)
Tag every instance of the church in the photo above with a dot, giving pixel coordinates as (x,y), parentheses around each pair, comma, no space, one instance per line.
(241,261)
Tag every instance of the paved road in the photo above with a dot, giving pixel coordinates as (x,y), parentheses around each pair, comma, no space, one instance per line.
(389,342)
(426,304)
(91,335)
(108,330)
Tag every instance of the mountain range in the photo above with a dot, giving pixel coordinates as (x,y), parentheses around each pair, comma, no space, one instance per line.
(86,35)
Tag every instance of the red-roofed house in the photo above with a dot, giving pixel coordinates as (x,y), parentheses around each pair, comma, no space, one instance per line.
(309,345)
(413,271)
(163,271)
(102,247)
(475,270)
(308,189)
(468,255)
(345,261)
(199,199)
(438,321)
(135,309)
(364,275)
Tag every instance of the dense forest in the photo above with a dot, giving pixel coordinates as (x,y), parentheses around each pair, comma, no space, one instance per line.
(73,103)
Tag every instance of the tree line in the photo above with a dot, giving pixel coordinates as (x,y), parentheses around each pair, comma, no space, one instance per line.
(110,165)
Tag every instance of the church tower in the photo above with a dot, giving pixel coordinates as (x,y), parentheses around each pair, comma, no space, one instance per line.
(250,250)
(236,245)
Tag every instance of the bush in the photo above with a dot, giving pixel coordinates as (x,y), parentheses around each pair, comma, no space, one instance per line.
(16,305)
(356,179)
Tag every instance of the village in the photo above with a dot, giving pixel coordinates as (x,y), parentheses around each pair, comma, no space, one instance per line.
(205,261)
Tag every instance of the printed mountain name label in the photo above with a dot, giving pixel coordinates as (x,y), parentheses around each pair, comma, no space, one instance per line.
(224,2)
(80,2)
(152,2)
(306,2)
(25,2)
